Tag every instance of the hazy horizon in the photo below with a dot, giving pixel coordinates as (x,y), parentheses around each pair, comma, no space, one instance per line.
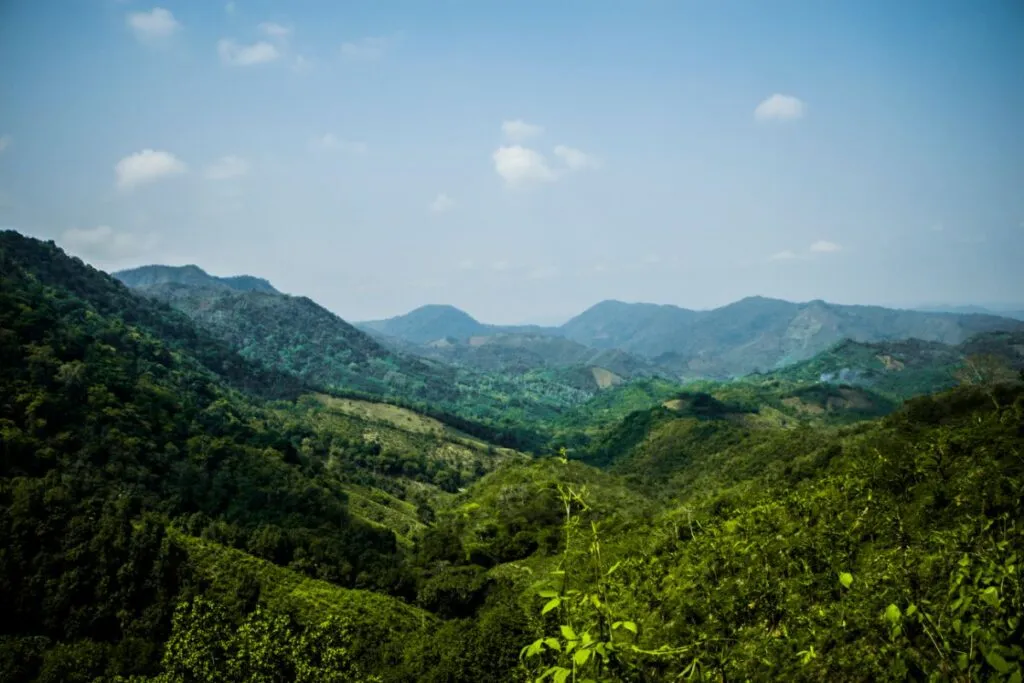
(523,163)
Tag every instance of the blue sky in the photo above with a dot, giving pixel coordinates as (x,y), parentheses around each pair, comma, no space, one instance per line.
(525,160)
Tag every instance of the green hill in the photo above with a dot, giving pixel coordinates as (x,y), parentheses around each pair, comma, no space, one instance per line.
(903,369)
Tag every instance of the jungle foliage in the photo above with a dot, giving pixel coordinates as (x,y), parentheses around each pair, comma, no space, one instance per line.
(172,511)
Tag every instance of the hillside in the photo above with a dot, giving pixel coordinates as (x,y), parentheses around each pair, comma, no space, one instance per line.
(193,275)
(508,352)
(299,337)
(765,553)
(903,369)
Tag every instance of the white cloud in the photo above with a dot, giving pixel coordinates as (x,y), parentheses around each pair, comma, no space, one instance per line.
(275,30)
(576,159)
(825,247)
(234,54)
(500,266)
(333,142)
(786,255)
(520,131)
(301,63)
(442,203)
(368,49)
(5,142)
(105,243)
(145,167)
(519,165)
(230,8)
(780,108)
(157,24)
(227,167)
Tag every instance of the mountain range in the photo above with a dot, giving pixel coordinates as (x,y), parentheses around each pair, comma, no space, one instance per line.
(753,334)
(190,489)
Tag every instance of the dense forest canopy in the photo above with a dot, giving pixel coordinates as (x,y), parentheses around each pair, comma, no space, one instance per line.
(205,482)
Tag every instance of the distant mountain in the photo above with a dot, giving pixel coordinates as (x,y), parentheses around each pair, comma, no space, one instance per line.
(761,334)
(634,327)
(191,275)
(300,337)
(437,322)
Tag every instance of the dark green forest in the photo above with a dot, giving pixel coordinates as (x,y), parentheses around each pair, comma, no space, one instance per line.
(252,496)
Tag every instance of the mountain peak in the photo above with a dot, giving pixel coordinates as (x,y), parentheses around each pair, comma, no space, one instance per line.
(191,275)
(429,323)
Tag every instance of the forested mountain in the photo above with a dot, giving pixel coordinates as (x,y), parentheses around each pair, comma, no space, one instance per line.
(172,510)
(299,337)
(761,334)
(191,275)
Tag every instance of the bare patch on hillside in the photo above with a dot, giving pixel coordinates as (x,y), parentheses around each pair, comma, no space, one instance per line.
(605,378)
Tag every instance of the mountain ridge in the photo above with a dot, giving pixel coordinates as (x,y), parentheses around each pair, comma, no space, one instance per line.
(191,274)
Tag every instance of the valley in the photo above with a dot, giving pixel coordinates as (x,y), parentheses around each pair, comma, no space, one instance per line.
(205,478)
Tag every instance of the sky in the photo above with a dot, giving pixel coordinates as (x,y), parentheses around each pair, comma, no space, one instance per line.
(523,161)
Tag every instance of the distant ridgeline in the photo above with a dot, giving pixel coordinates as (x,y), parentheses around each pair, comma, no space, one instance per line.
(752,335)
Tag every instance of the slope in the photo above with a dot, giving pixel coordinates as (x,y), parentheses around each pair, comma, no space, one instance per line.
(46,264)
(903,369)
(296,336)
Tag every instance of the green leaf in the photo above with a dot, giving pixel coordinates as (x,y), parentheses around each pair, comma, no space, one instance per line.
(567,632)
(998,663)
(551,604)
(614,567)
(581,657)
(629,626)
(846,579)
(553,644)
(548,594)
(561,675)
(892,613)
(1015,678)
(911,609)
(535,648)
(991,596)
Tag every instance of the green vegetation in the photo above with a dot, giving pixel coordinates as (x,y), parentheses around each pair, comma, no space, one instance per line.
(177,503)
